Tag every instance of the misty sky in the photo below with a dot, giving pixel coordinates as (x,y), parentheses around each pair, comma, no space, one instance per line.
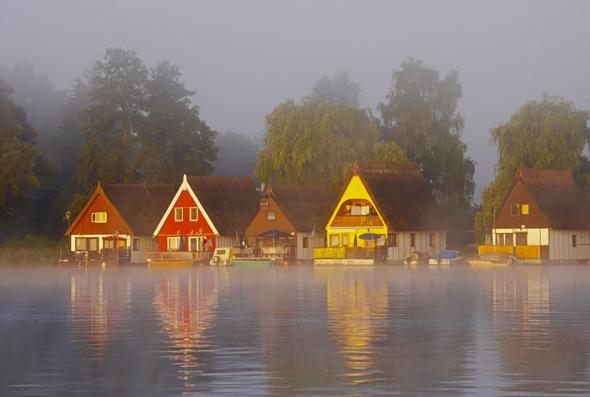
(244,57)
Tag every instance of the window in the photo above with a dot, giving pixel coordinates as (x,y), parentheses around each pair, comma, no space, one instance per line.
(412,239)
(524,209)
(173,243)
(508,239)
(574,240)
(194,214)
(135,244)
(521,238)
(499,238)
(431,239)
(270,216)
(334,240)
(81,244)
(178,214)
(108,244)
(345,240)
(514,210)
(305,242)
(393,239)
(99,217)
(195,244)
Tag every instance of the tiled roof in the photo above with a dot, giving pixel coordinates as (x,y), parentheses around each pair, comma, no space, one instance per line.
(307,207)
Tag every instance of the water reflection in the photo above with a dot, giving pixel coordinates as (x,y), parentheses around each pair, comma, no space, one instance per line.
(98,309)
(185,305)
(354,302)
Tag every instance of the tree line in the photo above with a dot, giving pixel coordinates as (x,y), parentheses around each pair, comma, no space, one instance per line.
(127,123)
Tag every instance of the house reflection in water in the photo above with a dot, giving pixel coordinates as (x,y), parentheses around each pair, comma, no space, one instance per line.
(186,305)
(540,343)
(96,313)
(355,301)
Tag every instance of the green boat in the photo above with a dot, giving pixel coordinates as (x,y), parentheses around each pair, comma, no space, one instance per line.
(252,263)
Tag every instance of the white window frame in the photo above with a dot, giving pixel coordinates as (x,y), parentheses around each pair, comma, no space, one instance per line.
(176,219)
(269,217)
(169,246)
(199,242)
(97,217)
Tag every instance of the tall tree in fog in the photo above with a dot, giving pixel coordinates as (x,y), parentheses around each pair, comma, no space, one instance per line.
(174,139)
(315,142)
(421,115)
(338,89)
(551,133)
(110,125)
(18,155)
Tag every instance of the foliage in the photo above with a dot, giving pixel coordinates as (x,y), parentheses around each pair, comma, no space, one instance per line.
(338,89)
(18,155)
(550,133)
(31,241)
(140,125)
(237,155)
(315,142)
(389,152)
(174,140)
(421,116)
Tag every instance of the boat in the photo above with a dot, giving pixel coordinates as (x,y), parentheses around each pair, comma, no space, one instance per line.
(447,258)
(416,258)
(230,257)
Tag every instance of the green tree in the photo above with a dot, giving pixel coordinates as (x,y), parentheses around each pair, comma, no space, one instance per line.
(18,155)
(551,133)
(174,139)
(111,123)
(315,142)
(421,116)
(338,89)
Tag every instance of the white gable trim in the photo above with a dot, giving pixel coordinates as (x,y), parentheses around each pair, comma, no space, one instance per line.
(185,186)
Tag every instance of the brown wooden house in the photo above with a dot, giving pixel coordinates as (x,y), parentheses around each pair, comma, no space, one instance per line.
(289,221)
(119,216)
(545,216)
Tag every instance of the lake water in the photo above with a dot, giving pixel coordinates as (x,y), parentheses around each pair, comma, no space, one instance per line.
(134,331)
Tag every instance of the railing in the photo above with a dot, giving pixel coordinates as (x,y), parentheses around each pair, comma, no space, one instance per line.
(200,256)
(528,251)
(343,253)
(495,250)
(357,220)
(520,251)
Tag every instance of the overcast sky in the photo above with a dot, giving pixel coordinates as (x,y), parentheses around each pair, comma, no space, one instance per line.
(244,57)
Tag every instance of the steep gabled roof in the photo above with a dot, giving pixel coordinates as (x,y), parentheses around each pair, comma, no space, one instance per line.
(307,207)
(402,196)
(230,202)
(559,198)
(141,206)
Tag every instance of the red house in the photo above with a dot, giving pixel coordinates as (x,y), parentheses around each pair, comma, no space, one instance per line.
(123,213)
(207,212)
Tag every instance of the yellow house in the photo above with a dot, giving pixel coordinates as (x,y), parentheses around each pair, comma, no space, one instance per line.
(384,212)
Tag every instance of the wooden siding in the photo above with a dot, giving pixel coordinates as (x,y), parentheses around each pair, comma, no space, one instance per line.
(83,224)
(404,247)
(317,241)
(186,227)
(260,224)
(520,195)
(561,248)
(146,244)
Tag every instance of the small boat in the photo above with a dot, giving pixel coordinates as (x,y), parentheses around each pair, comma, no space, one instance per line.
(447,258)
(227,257)
(416,258)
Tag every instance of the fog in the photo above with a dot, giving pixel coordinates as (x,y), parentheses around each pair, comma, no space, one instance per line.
(243,58)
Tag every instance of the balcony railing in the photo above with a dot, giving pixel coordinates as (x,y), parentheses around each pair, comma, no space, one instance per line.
(520,251)
(356,221)
(344,253)
(179,256)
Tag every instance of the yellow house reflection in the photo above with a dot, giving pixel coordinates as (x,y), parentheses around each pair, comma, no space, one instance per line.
(186,307)
(355,301)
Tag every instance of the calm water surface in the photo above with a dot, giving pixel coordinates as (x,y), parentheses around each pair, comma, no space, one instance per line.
(294,331)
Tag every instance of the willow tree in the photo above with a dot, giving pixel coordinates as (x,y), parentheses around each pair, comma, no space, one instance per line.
(551,133)
(421,115)
(315,142)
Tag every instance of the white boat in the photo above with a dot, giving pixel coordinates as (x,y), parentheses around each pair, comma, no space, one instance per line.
(447,258)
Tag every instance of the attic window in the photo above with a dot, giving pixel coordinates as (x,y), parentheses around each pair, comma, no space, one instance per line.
(99,217)
(178,214)
(271,216)
(524,209)
(515,210)
(194,214)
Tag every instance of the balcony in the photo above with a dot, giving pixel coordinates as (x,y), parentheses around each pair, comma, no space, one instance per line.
(356,221)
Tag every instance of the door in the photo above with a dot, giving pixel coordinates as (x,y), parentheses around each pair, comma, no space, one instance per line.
(195,244)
